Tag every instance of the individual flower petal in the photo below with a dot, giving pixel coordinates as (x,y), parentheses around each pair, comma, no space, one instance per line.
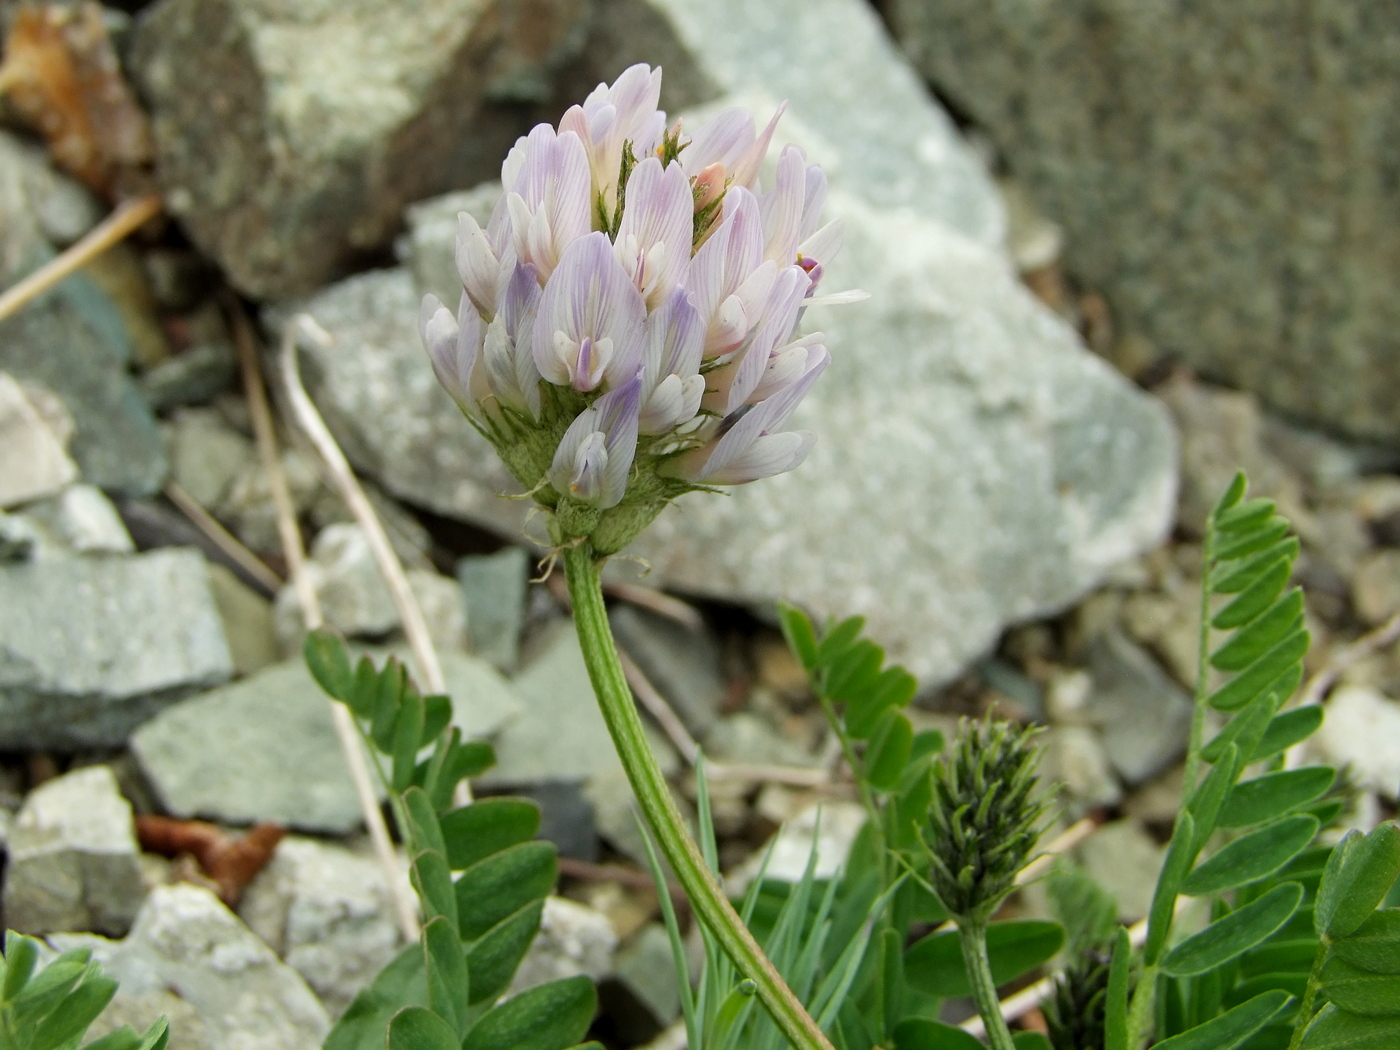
(595,455)
(653,240)
(728,139)
(547,190)
(508,351)
(478,265)
(453,346)
(590,324)
(734,382)
(781,208)
(728,278)
(612,115)
(752,447)
(671,383)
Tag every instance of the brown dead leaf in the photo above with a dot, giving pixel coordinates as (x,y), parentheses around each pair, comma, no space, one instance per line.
(62,78)
(230,863)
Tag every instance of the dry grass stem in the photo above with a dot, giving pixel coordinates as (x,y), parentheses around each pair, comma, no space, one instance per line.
(223,539)
(124,220)
(659,602)
(290,533)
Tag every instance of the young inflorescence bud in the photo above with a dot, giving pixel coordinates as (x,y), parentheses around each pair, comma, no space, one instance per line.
(626,326)
(1074,1015)
(985,817)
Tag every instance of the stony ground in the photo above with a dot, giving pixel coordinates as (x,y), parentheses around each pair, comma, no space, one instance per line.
(1006,485)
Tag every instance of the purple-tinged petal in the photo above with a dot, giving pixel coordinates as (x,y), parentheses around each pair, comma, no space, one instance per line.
(547,189)
(813,200)
(733,383)
(781,207)
(747,166)
(720,140)
(752,447)
(612,115)
(508,353)
(453,346)
(671,383)
(595,455)
(477,265)
(589,297)
(653,240)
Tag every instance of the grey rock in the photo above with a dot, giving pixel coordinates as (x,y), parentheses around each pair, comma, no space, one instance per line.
(1217,171)
(829,828)
(328,913)
(278,757)
(864,117)
(427,247)
(104,644)
(746,738)
(1144,715)
(33,460)
(333,117)
(573,940)
(1076,758)
(186,943)
(248,510)
(683,664)
(615,814)
(646,967)
(493,586)
(81,520)
(560,734)
(1125,860)
(247,619)
(355,599)
(206,454)
(73,858)
(1362,730)
(19,539)
(410,540)
(567,816)
(193,377)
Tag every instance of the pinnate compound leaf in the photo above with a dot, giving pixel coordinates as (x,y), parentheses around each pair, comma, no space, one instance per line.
(499,886)
(1361,991)
(414,1028)
(1375,945)
(494,958)
(801,638)
(934,964)
(1249,541)
(1231,1028)
(1356,880)
(1235,577)
(1334,1029)
(487,826)
(328,663)
(1230,937)
(921,1033)
(1274,794)
(553,1016)
(1253,857)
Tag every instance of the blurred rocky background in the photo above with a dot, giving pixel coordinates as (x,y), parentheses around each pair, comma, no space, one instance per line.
(1116,251)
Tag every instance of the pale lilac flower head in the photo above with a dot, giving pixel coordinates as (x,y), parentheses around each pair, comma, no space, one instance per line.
(627,326)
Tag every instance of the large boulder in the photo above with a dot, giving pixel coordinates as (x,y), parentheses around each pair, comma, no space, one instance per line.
(1224,173)
(291,135)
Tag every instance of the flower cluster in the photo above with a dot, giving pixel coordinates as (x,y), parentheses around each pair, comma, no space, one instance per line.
(625,331)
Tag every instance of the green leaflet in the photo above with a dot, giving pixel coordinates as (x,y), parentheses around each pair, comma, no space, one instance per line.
(1231,1028)
(487,826)
(1253,857)
(1260,635)
(1116,1003)
(1358,875)
(499,886)
(888,752)
(1375,945)
(447,973)
(1287,729)
(1334,1029)
(1266,669)
(1235,934)
(326,659)
(921,1033)
(495,955)
(1360,991)
(414,1028)
(1274,794)
(1181,852)
(553,1016)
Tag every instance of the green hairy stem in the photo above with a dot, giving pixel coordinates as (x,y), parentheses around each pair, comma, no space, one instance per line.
(583,567)
(973,938)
